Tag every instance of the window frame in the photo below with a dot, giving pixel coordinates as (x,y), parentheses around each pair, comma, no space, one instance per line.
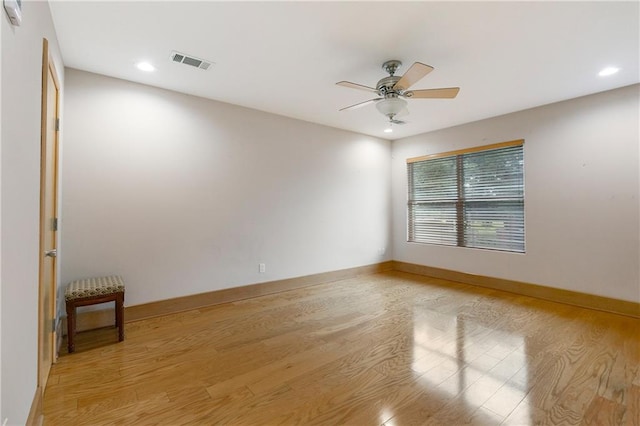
(462,229)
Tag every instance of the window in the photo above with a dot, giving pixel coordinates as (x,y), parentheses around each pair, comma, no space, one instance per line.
(470,198)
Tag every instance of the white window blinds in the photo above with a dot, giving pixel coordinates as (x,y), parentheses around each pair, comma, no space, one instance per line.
(469,198)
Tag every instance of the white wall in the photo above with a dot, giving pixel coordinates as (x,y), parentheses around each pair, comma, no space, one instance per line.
(20,198)
(3,22)
(581,195)
(183,195)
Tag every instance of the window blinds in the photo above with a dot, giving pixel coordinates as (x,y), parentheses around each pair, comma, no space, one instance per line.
(469,199)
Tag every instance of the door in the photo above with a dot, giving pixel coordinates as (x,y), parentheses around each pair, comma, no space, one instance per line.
(48,218)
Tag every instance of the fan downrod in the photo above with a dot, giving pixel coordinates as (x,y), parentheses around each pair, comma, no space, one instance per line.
(391,66)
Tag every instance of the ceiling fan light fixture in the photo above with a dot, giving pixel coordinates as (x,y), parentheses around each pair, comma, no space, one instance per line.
(391,106)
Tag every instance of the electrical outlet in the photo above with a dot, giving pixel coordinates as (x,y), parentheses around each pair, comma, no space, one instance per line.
(262,268)
(382,251)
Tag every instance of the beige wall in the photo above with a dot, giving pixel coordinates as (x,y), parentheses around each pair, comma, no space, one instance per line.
(183,195)
(581,195)
(164,186)
(20,197)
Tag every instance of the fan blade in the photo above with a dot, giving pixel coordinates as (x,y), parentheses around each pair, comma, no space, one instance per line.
(413,74)
(356,86)
(361,104)
(394,121)
(448,93)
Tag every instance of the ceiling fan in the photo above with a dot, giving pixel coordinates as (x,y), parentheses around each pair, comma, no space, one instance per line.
(392,89)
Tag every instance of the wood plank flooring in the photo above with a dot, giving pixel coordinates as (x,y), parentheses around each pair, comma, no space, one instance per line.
(385,349)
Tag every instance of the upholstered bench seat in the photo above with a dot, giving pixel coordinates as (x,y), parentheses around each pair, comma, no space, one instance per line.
(94,287)
(91,291)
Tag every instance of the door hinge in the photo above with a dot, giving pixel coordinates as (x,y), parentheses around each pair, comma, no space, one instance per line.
(57,124)
(54,224)
(53,325)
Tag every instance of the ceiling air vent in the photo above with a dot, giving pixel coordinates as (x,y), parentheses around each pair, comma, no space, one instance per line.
(182,58)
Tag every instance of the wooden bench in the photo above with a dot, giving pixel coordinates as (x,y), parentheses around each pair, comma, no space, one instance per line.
(91,291)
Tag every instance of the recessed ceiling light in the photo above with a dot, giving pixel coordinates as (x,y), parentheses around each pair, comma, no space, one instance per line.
(608,71)
(388,130)
(145,66)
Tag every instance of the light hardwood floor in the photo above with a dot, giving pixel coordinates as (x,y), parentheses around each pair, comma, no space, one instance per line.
(389,348)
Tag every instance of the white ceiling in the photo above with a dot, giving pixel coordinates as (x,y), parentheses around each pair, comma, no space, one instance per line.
(285,57)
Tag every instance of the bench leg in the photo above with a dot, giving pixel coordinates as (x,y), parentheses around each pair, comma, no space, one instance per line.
(71,326)
(120,316)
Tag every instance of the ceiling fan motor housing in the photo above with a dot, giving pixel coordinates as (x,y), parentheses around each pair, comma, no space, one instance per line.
(385,86)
